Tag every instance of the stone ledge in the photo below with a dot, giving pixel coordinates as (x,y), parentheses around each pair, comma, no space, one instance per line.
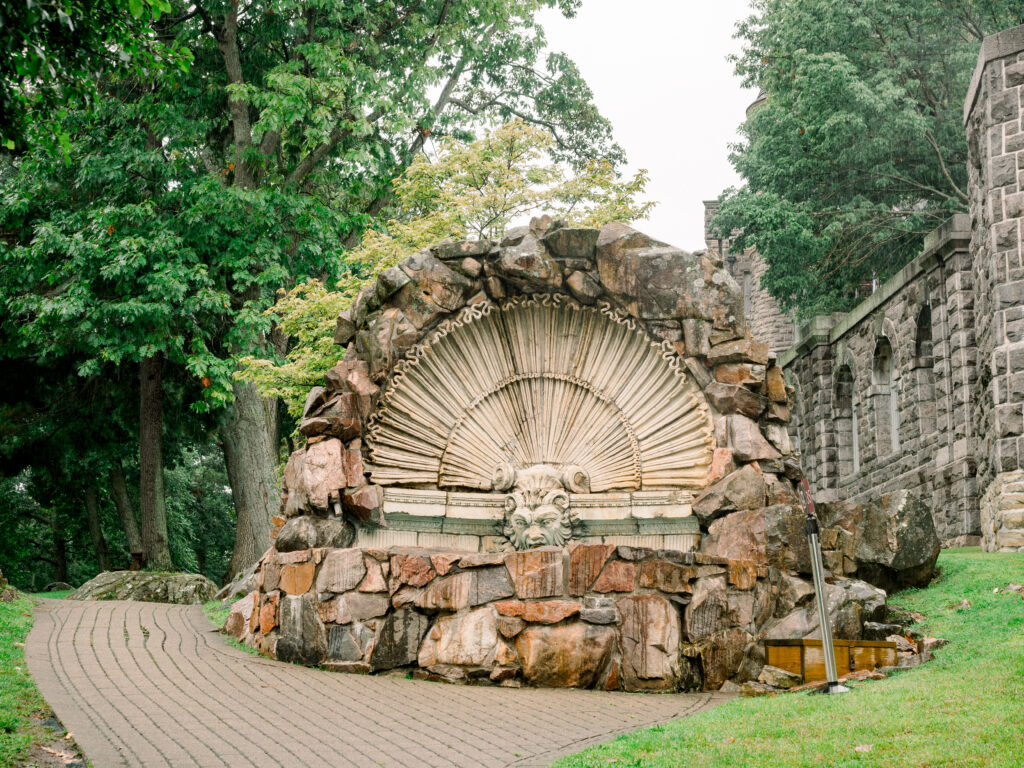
(997,46)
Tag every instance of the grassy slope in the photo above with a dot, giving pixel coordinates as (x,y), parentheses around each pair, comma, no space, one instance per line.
(965,708)
(18,695)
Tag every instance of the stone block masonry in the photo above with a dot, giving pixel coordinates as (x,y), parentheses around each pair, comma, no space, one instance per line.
(995,140)
(885,394)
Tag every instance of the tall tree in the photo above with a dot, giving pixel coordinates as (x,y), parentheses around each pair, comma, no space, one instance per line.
(185,200)
(858,149)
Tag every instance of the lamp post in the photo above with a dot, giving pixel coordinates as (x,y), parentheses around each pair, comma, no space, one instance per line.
(817,569)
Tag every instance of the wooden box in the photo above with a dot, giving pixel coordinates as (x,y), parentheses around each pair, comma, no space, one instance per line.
(806,658)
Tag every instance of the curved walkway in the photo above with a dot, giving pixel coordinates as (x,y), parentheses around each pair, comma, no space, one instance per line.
(143,684)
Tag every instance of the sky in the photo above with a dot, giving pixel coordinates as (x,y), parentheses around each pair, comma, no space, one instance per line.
(659,72)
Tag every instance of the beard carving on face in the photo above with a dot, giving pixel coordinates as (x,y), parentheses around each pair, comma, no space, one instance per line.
(537,511)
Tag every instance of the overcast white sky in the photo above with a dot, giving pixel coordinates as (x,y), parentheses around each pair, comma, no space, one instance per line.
(658,70)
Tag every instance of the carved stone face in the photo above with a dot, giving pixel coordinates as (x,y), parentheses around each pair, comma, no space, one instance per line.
(537,511)
(546,523)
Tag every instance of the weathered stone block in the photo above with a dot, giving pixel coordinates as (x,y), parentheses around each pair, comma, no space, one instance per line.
(747,442)
(536,572)
(349,643)
(448,593)
(398,639)
(572,242)
(489,584)
(566,655)
(412,569)
(617,576)
(743,489)
(546,612)
(741,351)
(363,503)
(302,637)
(464,639)
(649,639)
(585,563)
(341,570)
(734,398)
(297,579)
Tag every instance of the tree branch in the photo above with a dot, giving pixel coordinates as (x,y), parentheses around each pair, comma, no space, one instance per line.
(227,42)
(942,166)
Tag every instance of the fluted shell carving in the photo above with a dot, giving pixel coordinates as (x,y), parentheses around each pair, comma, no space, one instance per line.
(542,380)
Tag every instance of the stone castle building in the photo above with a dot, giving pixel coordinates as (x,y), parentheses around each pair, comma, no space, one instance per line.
(921,386)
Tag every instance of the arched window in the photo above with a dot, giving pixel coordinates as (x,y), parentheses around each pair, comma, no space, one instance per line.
(884,397)
(924,374)
(923,339)
(844,418)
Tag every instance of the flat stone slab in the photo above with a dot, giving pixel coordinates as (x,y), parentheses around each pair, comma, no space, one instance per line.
(144,684)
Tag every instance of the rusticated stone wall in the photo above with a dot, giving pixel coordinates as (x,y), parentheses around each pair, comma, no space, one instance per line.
(587,616)
(921,387)
(995,140)
(886,393)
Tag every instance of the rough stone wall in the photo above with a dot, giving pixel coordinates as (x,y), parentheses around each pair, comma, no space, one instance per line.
(908,425)
(995,137)
(589,616)
(766,321)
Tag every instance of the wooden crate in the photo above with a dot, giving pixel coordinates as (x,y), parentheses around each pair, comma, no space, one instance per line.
(807,659)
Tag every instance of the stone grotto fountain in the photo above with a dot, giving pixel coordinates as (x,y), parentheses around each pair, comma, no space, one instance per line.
(555,460)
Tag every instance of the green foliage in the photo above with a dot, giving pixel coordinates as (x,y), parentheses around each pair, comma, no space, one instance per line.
(960,710)
(200,514)
(18,695)
(53,55)
(306,314)
(217,611)
(47,527)
(173,210)
(186,200)
(468,190)
(858,150)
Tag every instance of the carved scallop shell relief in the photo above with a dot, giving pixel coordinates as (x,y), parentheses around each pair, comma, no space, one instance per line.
(541,381)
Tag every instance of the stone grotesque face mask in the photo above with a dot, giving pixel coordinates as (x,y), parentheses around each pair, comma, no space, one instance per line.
(537,511)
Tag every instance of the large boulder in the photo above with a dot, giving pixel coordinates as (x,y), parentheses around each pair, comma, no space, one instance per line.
(890,541)
(656,281)
(308,531)
(313,476)
(178,588)
(898,545)
(303,638)
(569,655)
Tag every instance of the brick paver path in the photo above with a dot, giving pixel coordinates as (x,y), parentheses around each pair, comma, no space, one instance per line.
(142,684)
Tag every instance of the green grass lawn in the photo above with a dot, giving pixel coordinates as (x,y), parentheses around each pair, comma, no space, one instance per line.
(18,695)
(964,708)
(217,612)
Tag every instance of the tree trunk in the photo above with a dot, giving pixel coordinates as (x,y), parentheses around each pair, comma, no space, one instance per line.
(99,544)
(119,492)
(247,439)
(152,505)
(60,548)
